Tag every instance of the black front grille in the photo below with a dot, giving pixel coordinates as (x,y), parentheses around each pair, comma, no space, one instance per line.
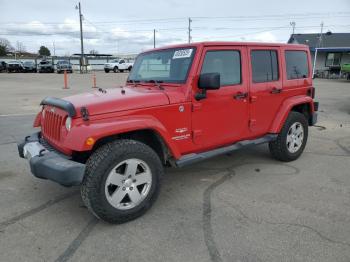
(47,146)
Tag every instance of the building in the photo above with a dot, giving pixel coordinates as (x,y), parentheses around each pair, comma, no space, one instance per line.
(332,50)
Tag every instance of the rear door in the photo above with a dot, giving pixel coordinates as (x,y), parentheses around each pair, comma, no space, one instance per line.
(265,87)
(222,117)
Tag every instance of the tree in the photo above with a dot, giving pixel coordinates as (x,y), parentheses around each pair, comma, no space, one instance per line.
(44,51)
(3,51)
(93,52)
(5,46)
(20,48)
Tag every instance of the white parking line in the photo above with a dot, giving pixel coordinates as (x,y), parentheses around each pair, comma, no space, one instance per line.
(27,114)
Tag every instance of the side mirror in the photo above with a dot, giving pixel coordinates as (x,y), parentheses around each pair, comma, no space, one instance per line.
(209,81)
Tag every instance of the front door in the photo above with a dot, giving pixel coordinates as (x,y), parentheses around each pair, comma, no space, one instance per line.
(222,117)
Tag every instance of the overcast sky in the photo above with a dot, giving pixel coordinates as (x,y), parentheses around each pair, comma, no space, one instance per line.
(127,26)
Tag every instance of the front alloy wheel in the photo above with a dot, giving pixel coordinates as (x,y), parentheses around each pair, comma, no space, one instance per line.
(128,184)
(122,180)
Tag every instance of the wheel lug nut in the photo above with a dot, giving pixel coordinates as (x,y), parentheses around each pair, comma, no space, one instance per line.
(129,176)
(131,188)
(123,181)
(134,180)
(124,188)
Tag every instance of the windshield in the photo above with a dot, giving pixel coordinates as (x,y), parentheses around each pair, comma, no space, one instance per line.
(62,62)
(28,63)
(168,65)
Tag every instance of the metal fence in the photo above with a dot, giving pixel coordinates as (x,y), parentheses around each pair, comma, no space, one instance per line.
(93,63)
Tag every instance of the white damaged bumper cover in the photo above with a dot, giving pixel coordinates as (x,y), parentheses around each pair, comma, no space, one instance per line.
(50,165)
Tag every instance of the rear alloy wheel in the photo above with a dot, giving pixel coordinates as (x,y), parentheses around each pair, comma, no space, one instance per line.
(295,137)
(291,141)
(122,180)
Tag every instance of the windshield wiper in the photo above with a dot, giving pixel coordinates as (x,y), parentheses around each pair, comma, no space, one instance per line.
(134,82)
(156,82)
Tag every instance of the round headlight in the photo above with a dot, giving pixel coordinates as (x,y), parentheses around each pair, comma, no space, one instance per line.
(68,123)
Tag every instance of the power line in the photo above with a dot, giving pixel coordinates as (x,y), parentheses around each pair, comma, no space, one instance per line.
(175,19)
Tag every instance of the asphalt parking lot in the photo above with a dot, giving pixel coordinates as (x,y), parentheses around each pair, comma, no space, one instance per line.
(244,206)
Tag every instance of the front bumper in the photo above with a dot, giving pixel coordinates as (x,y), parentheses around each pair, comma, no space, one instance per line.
(45,69)
(50,165)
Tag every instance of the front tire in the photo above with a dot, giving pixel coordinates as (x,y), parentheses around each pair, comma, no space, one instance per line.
(106,70)
(122,180)
(291,141)
(115,69)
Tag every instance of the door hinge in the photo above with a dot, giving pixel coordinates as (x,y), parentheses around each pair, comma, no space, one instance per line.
(252,122)
(196,133)
(196,106)
(253,99)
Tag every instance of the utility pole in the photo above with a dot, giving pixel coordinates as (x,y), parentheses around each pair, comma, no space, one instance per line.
(154,38)
(321,35)
(189,30)
(54,48)
(293,26)
(81,39)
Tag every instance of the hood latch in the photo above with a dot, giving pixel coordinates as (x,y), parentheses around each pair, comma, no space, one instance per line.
(84,113)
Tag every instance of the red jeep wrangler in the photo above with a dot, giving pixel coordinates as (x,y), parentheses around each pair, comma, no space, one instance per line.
(180,105)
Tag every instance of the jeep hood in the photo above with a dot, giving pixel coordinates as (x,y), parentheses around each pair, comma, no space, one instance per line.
(118,99)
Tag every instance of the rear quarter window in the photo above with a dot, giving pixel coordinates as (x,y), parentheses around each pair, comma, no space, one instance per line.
(296,64)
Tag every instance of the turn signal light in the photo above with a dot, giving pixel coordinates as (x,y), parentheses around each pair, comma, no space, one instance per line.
(90,141)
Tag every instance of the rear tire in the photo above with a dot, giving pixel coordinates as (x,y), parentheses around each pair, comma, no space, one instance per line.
(291,141)
(122,180)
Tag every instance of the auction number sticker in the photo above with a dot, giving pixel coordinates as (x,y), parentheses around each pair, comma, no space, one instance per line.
(183,53)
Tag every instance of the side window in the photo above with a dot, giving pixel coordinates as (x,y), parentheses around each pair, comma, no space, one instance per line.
(264,66)
(226,63)
(121,62)
(296,64)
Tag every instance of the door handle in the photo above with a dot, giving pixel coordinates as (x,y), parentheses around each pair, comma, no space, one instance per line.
(276,90)
(240,96)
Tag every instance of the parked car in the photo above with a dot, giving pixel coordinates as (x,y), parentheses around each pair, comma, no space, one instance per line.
(29,66)
(46,66)
(63,65)
(181,105)
(345,69)
(118,65)
(15,67)
(3,66)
